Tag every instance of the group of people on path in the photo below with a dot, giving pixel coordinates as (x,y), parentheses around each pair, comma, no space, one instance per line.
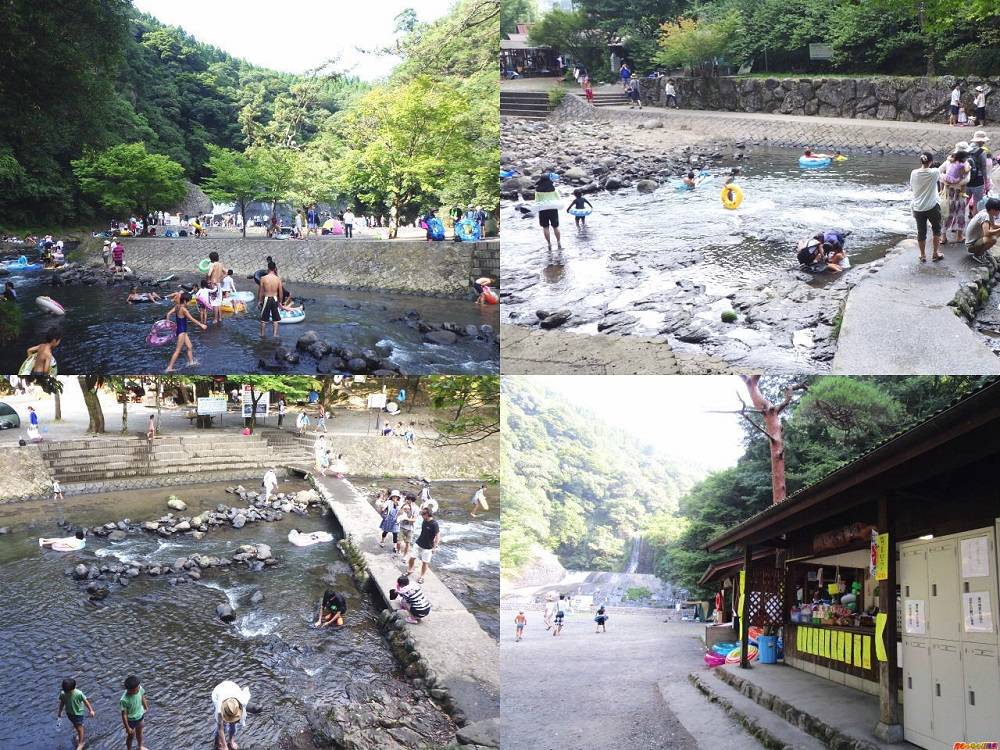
(557,609)
(229,703)
(957,116)
(953,198)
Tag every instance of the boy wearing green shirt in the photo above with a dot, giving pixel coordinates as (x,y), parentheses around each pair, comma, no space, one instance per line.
(73,701)
(134,707)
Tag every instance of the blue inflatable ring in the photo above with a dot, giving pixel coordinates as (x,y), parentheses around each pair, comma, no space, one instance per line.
(467,230)
(580,212)
(813,162)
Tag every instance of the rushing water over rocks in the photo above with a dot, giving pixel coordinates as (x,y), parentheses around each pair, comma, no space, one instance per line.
(672,262)
(172,637)
(103,333)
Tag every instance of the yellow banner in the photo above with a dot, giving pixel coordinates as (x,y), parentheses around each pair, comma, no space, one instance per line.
(857,650)
(743,581)
(847,648)
(838,649)
(866,652)
(826,643)
(880,621)
(882,559)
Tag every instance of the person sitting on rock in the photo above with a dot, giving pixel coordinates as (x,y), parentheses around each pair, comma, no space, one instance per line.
(64,544)
(331,609)
(412,600)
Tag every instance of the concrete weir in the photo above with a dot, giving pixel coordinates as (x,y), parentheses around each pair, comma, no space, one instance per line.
(436,269)
(461,663)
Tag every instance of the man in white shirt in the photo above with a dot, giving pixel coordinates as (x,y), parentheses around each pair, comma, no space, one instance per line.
(229,701)
(348,224)
(670,93)
(925,205)
(956,102)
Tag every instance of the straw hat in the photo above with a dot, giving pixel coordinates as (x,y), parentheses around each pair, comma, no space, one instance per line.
(979,88)
(231,711)
(980,137)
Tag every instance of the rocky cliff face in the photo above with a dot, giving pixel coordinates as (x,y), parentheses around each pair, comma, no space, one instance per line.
(903,99)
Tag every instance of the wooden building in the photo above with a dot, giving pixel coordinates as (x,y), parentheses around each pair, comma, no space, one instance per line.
(884,575)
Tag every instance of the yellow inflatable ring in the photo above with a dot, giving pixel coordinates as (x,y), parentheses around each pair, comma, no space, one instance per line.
(732,196)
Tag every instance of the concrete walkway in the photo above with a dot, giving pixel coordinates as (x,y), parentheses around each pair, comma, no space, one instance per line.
(898,322)
(525,351)
(463,656)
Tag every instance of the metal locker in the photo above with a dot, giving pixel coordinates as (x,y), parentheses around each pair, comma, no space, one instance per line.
(913,579)
(982,692)
(948,693)
(944,604)
(917,691)
(978,585)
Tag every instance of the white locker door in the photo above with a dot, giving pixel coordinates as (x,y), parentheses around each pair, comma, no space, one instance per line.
(917,691)
(913,584)
(978,581)
(947,691)
(944,607)
(982,696)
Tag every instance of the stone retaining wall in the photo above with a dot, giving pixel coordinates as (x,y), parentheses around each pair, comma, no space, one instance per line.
(439,269)
(882,98)
(23,474)
(790,131)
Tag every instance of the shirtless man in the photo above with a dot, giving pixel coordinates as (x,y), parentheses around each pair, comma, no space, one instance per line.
(268,295)
(216,273)
(43,354)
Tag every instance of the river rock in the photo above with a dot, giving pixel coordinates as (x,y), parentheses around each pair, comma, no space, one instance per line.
(183,526)
(646,186)
(117,536)
(225,613)
(175,503)
(256,597)
(442,338)
(357,365)
(197,535)
(485,733)
(239,521)
(576,175)
(80,572)
(555,319)
(306,340)
(263,551)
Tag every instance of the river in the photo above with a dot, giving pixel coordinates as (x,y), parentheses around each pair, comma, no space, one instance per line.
(636,247)
(170,637)
(103,333)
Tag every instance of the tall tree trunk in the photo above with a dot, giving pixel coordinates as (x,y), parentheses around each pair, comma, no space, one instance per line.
(326,389)
(772,427)
(124,410)
(243,215)
(58,400)
(89,385)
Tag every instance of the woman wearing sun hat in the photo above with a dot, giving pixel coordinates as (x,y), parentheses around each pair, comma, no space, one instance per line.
(230,701)
(980,103)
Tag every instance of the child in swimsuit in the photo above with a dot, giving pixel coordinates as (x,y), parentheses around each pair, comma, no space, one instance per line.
(204,298)
(182,314)
(579,203)
(43,354)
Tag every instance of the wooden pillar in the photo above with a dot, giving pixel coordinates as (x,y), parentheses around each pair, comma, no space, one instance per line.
(745,610)
(889,728)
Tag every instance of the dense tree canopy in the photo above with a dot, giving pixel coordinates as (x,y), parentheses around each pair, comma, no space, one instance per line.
(905,37)
(85,76)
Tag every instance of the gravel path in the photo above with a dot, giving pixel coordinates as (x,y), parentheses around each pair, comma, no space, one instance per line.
(586,690)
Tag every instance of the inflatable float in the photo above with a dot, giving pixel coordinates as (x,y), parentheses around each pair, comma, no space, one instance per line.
(299,539)
(242,296)
(506,174)
(814,162)
(165,279)
(580,212)
(204,265)
(731,196)
(733,657)
(162,332)
(840,158)
(467,230)
(489,296)
(21,264)
(292,316)
(49,305)
(703,177)
(29,364)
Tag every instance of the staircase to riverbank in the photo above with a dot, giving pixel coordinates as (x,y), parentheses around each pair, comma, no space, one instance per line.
(100,463)
(610,97)
(528,105)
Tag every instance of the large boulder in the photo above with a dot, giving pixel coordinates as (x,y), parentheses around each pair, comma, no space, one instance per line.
(555,319)
(646,186)
(225,613)
(263,552)
(240,521)
(175,503)
(442,338)
(576,175)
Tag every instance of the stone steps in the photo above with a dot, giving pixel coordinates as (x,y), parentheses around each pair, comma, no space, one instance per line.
(771,730)
(528,105)
(97,475)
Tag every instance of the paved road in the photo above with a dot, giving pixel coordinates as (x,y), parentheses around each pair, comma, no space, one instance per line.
(898,321)
(597,690)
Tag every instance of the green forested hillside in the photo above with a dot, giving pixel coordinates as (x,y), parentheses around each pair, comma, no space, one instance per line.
(581,488)
(81,77)
(575,485)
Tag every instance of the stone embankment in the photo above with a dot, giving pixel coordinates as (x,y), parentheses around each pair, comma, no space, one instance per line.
(902,99)
(437,269)
(447,654)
